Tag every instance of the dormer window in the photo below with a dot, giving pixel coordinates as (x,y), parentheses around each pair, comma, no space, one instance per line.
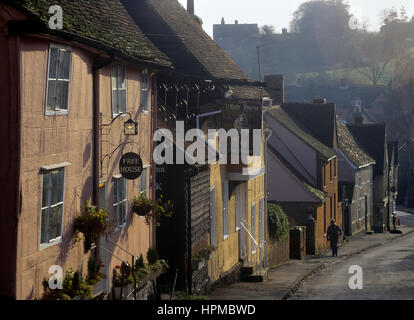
(58,80)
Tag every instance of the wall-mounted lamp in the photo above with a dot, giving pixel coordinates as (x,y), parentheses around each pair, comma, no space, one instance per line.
(130,128)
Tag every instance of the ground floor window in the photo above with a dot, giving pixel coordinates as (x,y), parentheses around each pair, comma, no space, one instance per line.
(119,200)
(53,186)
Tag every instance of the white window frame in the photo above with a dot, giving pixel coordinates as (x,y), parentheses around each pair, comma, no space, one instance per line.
(117,89)
(225,195)
(115,205)
(213,217)
(58,111)
(146,182)
(145,88)
(54,241)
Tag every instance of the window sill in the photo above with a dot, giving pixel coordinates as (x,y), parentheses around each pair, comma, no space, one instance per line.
(144,111)
(56,113)
(119,228)
(226,237)
(44,246)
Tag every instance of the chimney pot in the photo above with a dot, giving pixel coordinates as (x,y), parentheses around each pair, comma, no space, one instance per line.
(319,101)
(190,6)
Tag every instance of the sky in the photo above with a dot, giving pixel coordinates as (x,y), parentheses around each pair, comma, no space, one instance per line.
(278,13)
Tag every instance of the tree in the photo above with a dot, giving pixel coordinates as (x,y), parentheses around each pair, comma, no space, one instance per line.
(321,27)
(370,57)
(321,19)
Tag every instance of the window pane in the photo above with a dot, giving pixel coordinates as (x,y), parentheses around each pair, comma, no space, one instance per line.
(64,64)
(55,222)
(45,190)
(122,98)
(43,227)
(51,95)
(115,192)
(61,176)
(122,195)
(122,210)
(143,180)
(55,182)
(53,62)
(114,77)
(62,94)
(122,80)
(115,102)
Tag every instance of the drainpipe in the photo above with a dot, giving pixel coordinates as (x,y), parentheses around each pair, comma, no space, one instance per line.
(96,125)
(96,133)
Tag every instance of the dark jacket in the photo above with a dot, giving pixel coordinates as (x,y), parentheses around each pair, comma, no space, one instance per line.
(333,233)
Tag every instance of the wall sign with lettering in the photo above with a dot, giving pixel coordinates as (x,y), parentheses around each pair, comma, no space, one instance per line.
(130,166)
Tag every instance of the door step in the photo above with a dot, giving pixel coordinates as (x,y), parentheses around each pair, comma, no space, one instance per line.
(248,274)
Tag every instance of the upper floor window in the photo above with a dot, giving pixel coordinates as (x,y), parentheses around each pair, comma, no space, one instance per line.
(118,87)
(119,201)
(53,183)
(359,179)
(58,80)
(144,91)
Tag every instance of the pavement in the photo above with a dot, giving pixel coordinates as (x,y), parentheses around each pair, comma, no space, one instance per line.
(287,281)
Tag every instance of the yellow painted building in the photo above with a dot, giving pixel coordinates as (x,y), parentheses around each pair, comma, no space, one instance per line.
(237,216)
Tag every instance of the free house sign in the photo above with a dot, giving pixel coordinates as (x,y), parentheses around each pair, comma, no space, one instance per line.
(130,166)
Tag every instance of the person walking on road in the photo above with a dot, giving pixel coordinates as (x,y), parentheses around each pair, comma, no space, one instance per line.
(333,233)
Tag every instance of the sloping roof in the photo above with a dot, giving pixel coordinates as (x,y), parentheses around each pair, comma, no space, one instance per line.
(181,37)
(296,128)
(248,92)
(371,137)
(319,194)
(350,147)
(101,23)
(319,119)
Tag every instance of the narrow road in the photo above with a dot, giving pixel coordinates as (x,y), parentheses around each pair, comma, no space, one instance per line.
(387,273)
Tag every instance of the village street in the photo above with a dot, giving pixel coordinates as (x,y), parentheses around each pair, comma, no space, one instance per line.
(387,261)
(387,273)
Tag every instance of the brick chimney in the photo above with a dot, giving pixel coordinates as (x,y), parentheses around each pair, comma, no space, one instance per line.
(276,84)
(190,6)
(319,101)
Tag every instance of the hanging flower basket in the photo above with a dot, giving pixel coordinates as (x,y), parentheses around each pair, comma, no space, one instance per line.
(152,210)
(93,224)
(142,209)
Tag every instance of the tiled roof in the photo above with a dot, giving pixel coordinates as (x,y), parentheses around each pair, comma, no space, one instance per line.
(319,119)
(296,128)
(181,37)
(350,147)
(371,137)
(248,92)
(103,23)
(321,195)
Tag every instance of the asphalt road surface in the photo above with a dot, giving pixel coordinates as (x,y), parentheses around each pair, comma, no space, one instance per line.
(387,273)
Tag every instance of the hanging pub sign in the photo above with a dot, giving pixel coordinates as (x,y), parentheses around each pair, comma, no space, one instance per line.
(130,166)
(242,114)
